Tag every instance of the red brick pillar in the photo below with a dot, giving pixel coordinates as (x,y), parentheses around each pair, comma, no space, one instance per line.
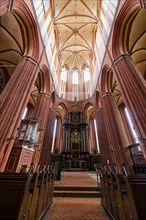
(115,138)
(48,138)
(14,99)
(105,151)
(132,87)
(41,110)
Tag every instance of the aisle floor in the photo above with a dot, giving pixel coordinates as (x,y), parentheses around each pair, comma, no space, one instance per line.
(74,208)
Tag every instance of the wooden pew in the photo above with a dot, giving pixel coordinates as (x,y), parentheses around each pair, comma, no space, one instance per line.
(116,193)
(26,196)
(45,185)
(112,188)
(41,186)
(35,193)
(15,197)
(138,186)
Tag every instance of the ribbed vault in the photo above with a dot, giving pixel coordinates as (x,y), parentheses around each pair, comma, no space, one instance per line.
(75,22)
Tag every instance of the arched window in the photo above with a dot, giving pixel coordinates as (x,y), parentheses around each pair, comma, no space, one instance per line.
(86,74)
(54,135)
(131,125)
(75,77)
(97,141)
(63,74)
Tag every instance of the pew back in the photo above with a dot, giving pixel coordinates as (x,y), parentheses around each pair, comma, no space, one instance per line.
(138,185)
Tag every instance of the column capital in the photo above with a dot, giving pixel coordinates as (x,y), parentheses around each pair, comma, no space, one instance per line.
(122,56)
(46,95)
(106,94)
(53,110)
(30,59)
(98,109)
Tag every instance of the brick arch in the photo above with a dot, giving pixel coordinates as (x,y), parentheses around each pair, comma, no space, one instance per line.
(62,104)
(25,18)
(87,106)
(122,27)
(97,99)
(104,79)
(46,82)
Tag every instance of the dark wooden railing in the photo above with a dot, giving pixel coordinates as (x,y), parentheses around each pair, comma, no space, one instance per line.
(123,196)
(26,195)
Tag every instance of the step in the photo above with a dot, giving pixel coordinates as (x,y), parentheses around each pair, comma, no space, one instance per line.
(83,194)
(76,188)
(75,170)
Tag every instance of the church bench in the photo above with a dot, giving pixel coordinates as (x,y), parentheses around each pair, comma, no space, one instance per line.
(117,194)
(138,185)
(26,195)
(15,197)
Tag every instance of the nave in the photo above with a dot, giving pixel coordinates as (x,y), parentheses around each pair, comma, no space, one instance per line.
(72,93)
(76,206)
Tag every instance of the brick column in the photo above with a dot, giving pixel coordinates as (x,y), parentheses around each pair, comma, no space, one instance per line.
(41,110)
(115,138)
(105,151)
(132,87)
(14,99)
(48,138)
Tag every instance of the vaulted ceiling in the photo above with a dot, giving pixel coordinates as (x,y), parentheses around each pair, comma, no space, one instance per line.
(75,22)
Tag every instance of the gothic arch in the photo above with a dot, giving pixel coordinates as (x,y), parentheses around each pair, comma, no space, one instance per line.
(104,79)
(122,27)
(110,84)
(87,105)
(28,27)
(61,109)
(45,79)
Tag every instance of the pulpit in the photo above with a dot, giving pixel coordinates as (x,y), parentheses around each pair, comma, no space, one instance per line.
(24,146)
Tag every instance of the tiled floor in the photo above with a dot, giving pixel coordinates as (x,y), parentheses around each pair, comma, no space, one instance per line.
(77,179)
(72,208)
(76,209)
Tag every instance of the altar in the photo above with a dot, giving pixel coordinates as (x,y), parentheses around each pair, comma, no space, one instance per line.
(76,164)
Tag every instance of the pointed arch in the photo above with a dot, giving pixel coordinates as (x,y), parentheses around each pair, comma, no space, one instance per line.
(46,82)
(25,18)
(104,78)
(123,26)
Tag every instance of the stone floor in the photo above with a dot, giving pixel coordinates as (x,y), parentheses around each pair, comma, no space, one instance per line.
(77,179)
(72,208)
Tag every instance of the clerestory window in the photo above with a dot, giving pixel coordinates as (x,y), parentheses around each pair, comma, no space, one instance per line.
(86,74)
(63,74)
(75,77)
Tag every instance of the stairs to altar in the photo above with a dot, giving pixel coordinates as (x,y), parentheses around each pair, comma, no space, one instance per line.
(77,184)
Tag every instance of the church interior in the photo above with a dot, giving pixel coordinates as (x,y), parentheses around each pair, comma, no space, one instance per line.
(73,109)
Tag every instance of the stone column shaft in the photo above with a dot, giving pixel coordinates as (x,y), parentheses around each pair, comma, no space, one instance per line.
(48,138)
(114,135)
(41,110)
(105,151)
(132,87)
(14,99)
